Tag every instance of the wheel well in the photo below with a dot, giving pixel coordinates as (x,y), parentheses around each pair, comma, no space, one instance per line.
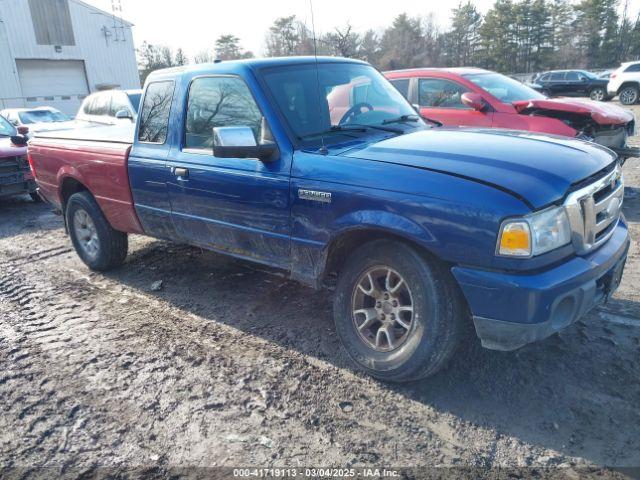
(342,246)
(629,84)
(69,187)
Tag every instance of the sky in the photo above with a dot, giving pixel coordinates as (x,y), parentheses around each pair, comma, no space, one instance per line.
(194,25)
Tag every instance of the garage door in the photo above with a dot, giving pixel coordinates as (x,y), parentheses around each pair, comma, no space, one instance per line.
(58,83)
(45,78)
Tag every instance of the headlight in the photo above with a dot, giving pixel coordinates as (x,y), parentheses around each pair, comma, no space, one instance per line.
(534,234)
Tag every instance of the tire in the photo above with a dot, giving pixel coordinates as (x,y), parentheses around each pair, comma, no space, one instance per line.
(629,95)
(99,246)
(435,325)
(598,94)
(35,197)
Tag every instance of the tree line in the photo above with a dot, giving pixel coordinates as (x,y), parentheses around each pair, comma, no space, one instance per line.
(514,36)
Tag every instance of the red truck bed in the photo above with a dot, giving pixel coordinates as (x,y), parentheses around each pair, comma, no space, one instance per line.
(94,157)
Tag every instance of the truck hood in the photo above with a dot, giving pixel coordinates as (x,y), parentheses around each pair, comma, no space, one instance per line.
(537,168)
(601,113)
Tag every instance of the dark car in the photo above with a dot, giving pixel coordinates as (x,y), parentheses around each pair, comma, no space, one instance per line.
(572,83)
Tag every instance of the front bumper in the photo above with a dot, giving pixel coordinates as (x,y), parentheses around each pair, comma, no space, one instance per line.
(26,184)
(511,310)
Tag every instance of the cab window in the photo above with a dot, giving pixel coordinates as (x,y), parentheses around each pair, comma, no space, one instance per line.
(440,93)
(219,102)
(154,117)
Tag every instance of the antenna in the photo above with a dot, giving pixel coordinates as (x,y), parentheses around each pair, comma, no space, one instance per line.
(323,148)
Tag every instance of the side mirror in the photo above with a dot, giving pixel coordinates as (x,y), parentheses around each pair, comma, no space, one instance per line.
(124,113)
(23,130)
(19,140)
(473,100)
(239,142)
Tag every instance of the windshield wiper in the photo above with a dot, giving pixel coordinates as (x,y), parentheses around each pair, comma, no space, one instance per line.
(412,118)
(378,127)
(334,129)
(402,119)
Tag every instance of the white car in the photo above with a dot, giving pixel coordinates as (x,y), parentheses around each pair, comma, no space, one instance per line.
(110,107)
(40,119)
(625,82)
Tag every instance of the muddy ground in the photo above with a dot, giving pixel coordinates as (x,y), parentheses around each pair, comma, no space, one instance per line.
(229,365)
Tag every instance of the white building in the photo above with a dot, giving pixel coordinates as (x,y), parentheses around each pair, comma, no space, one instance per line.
(55,52)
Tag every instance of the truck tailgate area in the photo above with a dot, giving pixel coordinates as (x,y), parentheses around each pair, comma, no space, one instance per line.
(96,157)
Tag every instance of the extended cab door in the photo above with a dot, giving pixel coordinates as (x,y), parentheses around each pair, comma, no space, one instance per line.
(148,174)
(440,99)
(237,205)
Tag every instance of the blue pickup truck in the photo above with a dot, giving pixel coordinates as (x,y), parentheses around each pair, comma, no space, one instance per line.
(319,167)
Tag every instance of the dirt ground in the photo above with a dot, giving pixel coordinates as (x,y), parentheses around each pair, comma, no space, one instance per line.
(229,365)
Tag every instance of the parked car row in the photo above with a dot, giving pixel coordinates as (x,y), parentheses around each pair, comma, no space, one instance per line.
(321,168)
(479,98)
(624,82)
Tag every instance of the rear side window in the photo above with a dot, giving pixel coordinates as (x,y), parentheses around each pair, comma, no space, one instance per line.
(402,86)
(633,68)
(101,105)
(440,93)
(119,102)
(88,106)
(219,102)
(154,117)
(557,76)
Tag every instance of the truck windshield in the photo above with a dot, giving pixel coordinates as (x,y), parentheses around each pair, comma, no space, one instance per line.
(6,129)
(504,88)
(338,99)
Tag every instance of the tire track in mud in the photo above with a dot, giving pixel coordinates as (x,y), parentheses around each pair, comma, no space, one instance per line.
(77,337)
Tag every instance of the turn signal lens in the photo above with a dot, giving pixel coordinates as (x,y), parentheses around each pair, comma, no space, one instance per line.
(515,240)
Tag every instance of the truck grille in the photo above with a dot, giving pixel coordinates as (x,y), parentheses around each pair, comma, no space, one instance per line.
(10,165)
(594,211)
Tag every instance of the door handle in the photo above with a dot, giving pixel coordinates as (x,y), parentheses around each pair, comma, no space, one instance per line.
(181,173)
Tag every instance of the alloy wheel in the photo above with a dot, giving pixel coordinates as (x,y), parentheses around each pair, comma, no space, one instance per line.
(86,233)
(383,309)
(629,96)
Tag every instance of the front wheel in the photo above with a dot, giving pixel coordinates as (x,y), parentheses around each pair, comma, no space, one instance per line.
(598,94)
(629,95)
(98,244)
(398,314)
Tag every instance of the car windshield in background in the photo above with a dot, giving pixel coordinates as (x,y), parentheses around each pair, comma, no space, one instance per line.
(134,98)
(339,99)
(6,129)
(42,116)
(504,88)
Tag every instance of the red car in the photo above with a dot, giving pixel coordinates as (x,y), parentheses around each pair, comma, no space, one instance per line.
(480,98)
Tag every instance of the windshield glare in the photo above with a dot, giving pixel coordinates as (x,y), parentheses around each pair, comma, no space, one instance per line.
(504,88)
(6,129)
(349,94)
(42,116)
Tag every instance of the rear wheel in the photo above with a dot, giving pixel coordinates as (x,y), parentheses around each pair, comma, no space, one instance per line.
(629,95)
(35,197)
(598,94)
(99,246)
(398,314)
